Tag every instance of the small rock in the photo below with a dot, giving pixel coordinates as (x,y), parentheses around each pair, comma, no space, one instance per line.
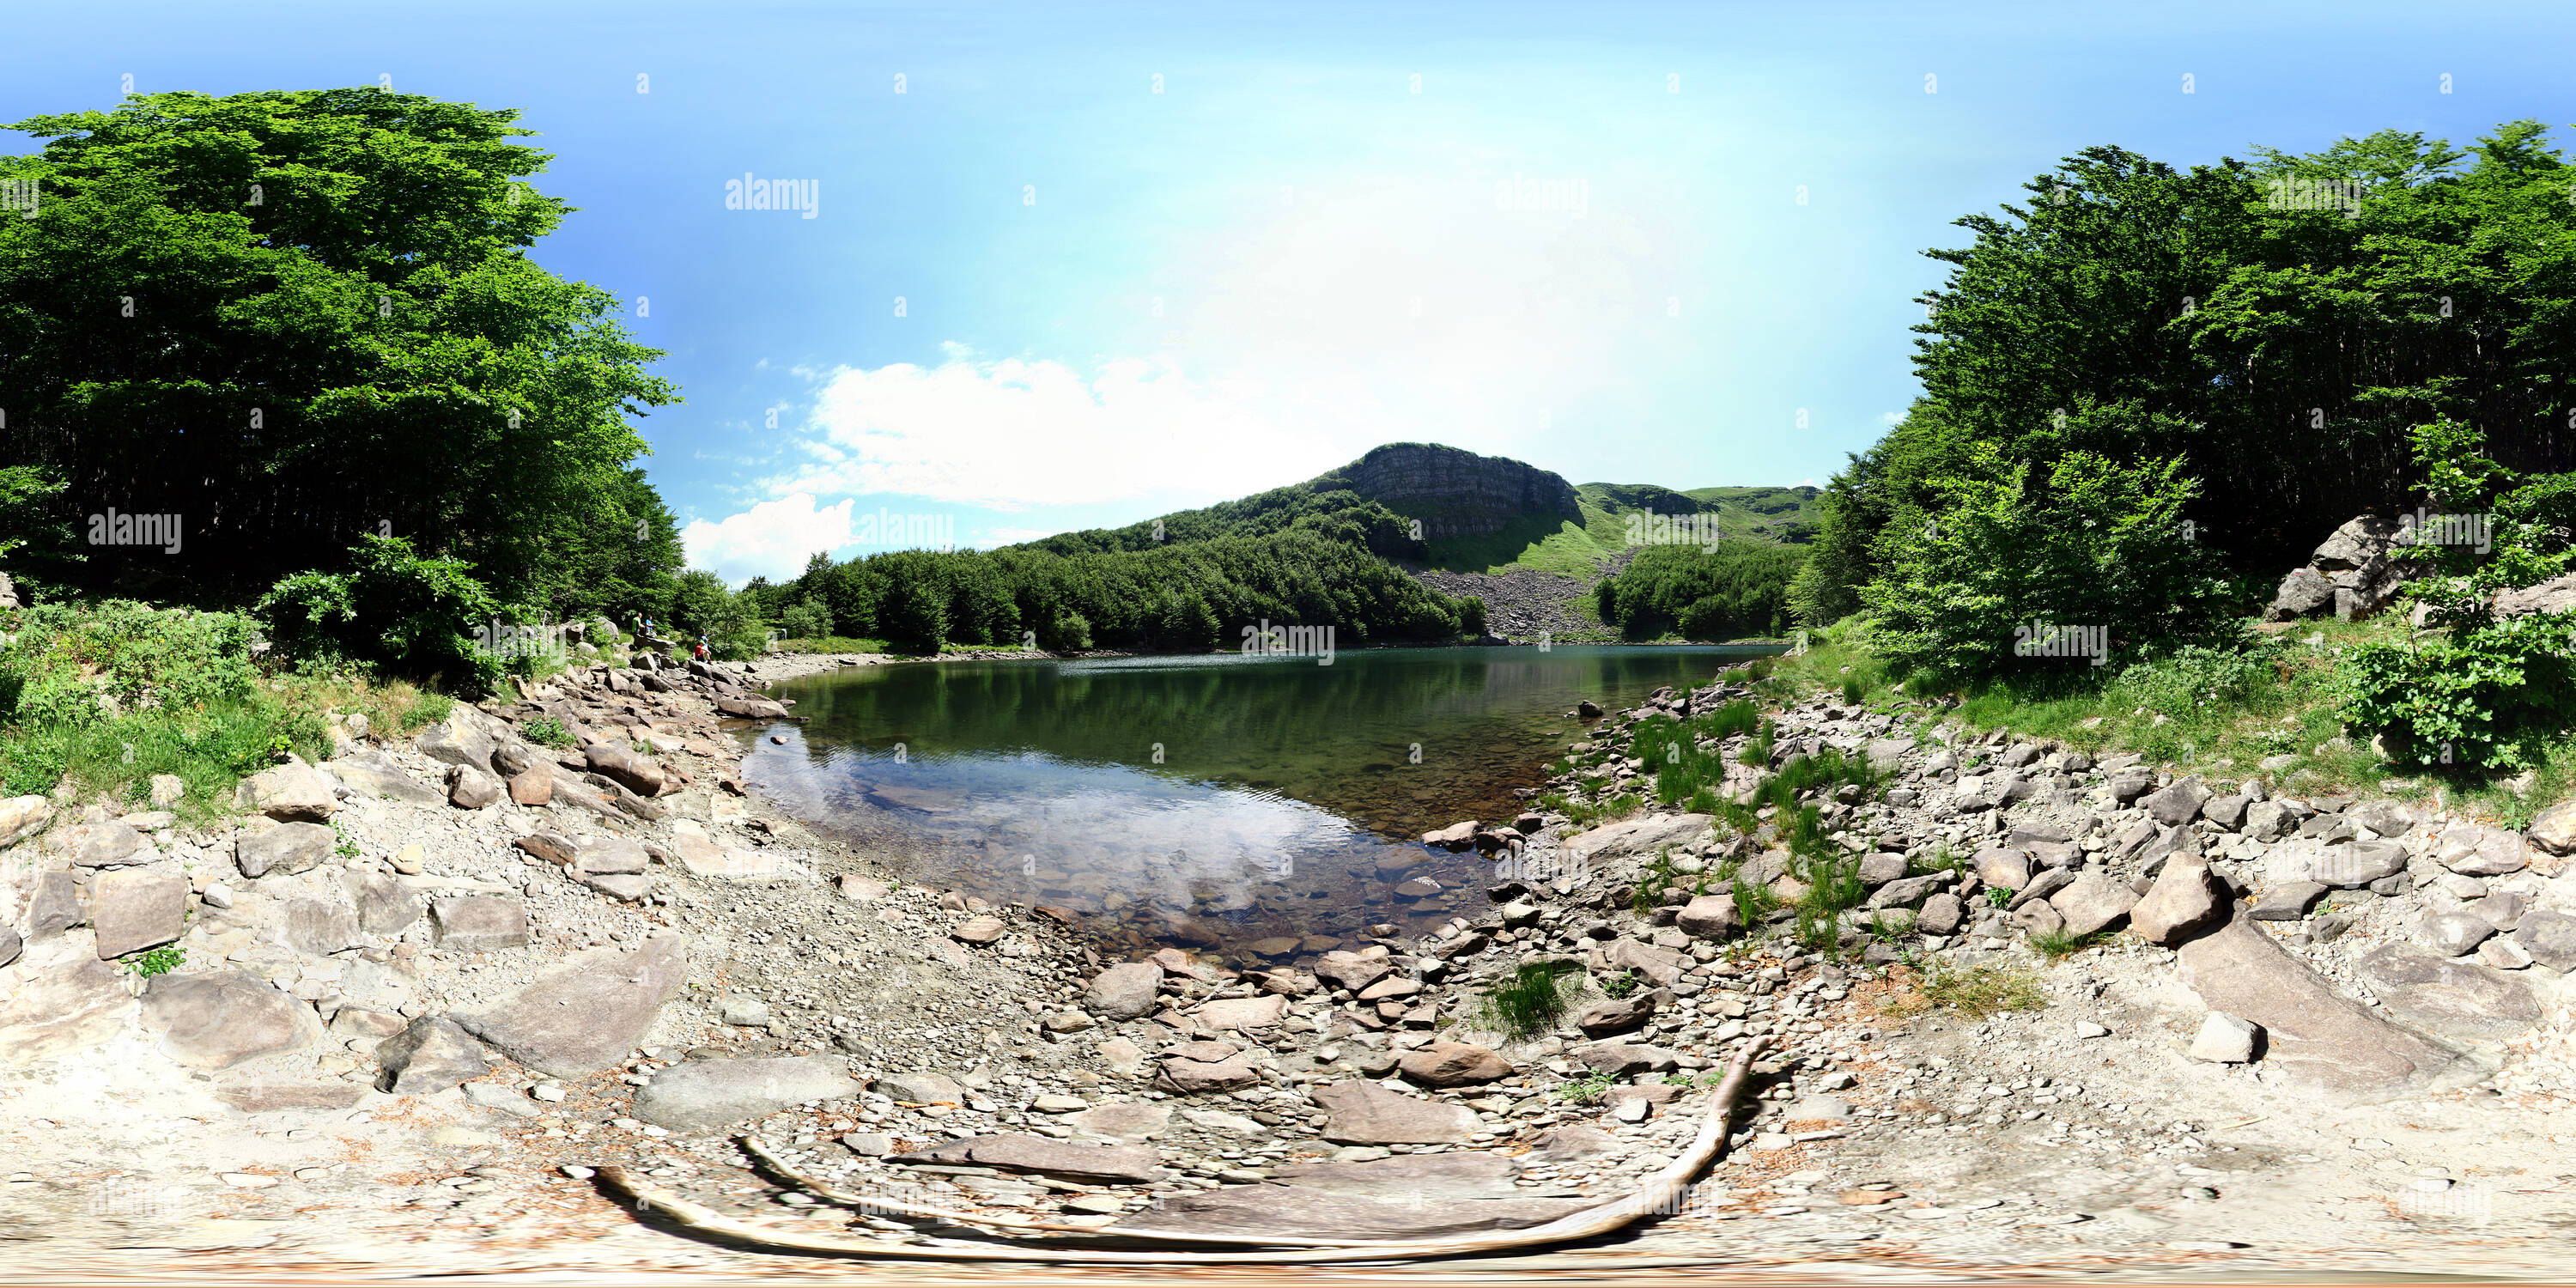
(2224,1039)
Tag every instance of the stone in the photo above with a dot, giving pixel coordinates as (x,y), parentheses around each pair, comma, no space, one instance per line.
(2550,937)
(1620,1059)
(111,844)
(2129,784)
(631,769)
(2224,1039)
(1941,915)
(1351,970)
(290,1097)
(1634,836)
(2093,902)
(2384,817)
(1193,1077)
(2037,919)
(1126,1122)
(859,889)
(1297,1212)
(431,1054)
(292,792)
(60,998)
(472,788)
(22,817)
(137,908)
(2003,869)
(2552,832)
(318,929)
(602,856)
(1663,967)
(1573,1144)
(2556,595)
(2288,901)
(375,774)
(2350,867)
(2312,1033)
(1365,1113)
(1406,1177)
(2179,803)
(2448,998)
(697,1094)
(1711,916)
(1907,891)
(493,1096)
(54,906)
(2471,850)
(751,708)
(285,849)
(10,945)
(2185,900)
(743,1012)
(586,1015)
(2227,812)
(460,738)
(218,1019)
(1617,1016)
(2043,885)
(628,887)
(868,1144)
(477,923)
(1016,1152)
(1240,1013)
(1453,1064)
(533,786)
(2504,953)
(2454,934)
(1125,991)
(979,930)
(385,905)
(1456,836)
(2502,909)
(1878,869)
(920,1088)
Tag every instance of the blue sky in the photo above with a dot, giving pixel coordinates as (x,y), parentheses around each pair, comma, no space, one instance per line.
(1155,256)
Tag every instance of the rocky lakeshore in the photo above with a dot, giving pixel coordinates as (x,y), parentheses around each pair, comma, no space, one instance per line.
(424,987)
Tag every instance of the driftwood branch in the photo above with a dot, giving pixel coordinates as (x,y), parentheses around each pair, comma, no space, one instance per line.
(1655,1194)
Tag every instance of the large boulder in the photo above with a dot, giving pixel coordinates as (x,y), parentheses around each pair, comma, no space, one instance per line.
(57,999)
(2556,595)
(2350,867)
(2351,571)
(1189,1077)
(2179,803)
(385,905)
(285,849)
(373,773)
(431,1054)
(2553,832)
(2093,902)
(1711,916)
(477,923)
(2445,998)
(1351,970)
(1365,1113)
(2186,899)
(697,1094)
(462,738)
(1634,836)
(587,1015)
(317,928)
(2550,938)
(219,1019)
(2475,851)
(920,1088)
(1125,991)
(1617,1016)
(292,792)
(22,817)
(633,770)
(471,788)
(138,908)
(1453,1064)
(2312,1032)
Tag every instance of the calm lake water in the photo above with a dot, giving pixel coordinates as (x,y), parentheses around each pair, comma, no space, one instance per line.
(1214,800)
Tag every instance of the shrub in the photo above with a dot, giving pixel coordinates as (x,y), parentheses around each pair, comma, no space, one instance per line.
(1851,693)
(1531,1000)
(394,608)
(83,665)
(809,619)
(546,731)
(2093,544)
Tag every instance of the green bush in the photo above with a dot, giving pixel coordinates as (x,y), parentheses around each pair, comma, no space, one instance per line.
(1531,1000)
(731,623)
(1738,588)
(79,665)
(395,608)
(809,619)
(2094,544)
(2488,690)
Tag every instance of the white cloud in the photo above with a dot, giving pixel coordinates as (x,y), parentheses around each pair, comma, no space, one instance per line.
(1014,433)
(771,539)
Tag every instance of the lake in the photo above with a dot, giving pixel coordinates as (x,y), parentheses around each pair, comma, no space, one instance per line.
(1211,800)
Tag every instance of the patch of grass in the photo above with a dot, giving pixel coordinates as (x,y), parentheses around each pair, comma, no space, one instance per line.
(1851,692)
(348,845)
(1833,885)
(2059,944)
(1997,896)
(1621,985)
(155,961)
(1984,991)
(1942,857)
(1590,1089)
(1654,883)
(1754,903)
(1531,1001)
(546,731)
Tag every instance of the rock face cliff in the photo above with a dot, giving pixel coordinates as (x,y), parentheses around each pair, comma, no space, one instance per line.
(1455,493)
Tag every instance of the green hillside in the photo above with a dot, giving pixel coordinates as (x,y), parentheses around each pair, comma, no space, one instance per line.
(1780,515)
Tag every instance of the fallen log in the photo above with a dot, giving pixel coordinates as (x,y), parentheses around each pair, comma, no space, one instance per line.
(1653,1195)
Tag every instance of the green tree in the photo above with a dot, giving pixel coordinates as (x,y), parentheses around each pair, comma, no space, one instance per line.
(313,313)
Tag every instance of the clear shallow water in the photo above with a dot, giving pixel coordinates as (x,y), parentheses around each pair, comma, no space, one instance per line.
(1214,800)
